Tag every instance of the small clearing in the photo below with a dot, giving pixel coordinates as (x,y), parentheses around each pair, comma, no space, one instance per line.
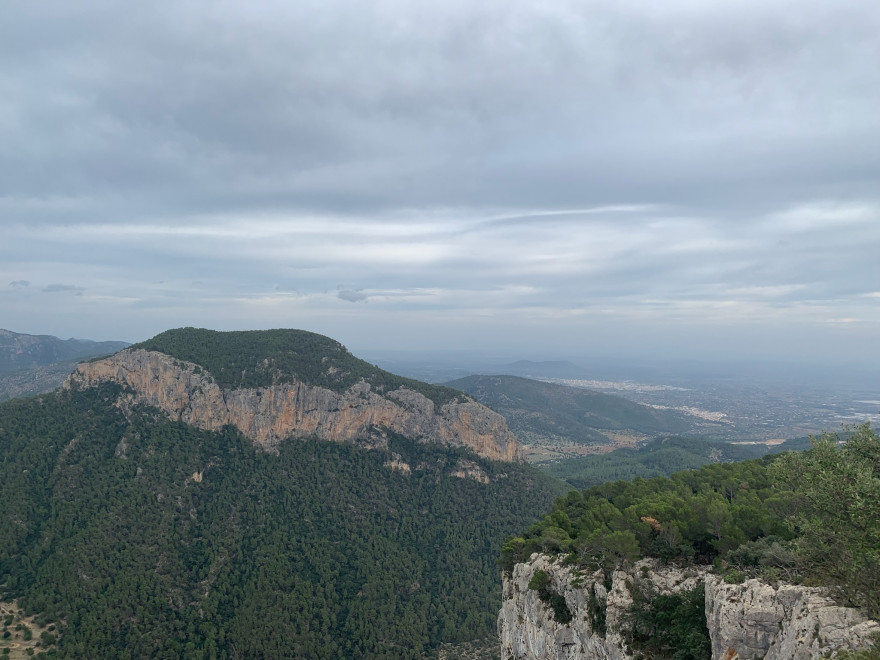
(26,637)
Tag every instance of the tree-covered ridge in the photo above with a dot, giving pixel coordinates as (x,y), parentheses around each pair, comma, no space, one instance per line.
(693,515)
(149,538)
(261,358)
(20,351)
(660,457)
(538,411)
(811,517)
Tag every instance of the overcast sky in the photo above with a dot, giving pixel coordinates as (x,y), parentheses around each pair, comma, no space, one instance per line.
(567,176)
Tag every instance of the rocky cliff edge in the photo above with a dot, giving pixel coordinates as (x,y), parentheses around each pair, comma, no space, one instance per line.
(268,415)
(745,621)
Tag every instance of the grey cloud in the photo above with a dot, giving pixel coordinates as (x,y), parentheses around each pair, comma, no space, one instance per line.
(434,143)
(19,284)
(456,103)
(351,295)
(63,288)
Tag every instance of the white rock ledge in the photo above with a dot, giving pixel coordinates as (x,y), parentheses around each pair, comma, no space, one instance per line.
(746,621)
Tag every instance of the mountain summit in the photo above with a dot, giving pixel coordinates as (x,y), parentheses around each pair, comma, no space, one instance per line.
(276,384)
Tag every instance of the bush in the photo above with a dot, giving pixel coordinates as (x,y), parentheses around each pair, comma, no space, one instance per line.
(597,611)
(733,576)
(540,582)
(668,626)
(838,513)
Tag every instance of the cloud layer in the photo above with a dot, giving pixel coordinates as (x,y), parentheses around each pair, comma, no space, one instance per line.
(685,176)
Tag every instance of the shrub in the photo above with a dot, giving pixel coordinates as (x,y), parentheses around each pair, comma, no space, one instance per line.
(540,582)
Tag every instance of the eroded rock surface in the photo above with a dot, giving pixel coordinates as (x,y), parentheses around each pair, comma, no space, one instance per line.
(528,630)
(745,621)
(789,622)
(268,415)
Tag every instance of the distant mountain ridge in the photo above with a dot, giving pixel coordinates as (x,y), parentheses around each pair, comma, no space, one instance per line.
(547,414)
(22,351)
(34,364)
(541,369)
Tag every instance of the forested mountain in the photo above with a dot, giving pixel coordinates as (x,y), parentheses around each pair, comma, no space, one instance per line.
(554,416)
(138,535)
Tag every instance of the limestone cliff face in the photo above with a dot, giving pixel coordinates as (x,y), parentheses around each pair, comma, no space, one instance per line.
(268,415)
(527,627)
(757,620)
(745,621)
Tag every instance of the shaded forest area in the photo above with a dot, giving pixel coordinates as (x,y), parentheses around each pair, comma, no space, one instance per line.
(142,537)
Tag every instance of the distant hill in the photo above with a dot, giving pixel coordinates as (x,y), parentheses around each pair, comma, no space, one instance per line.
(550,415)
(21,351)
(660,457)
(36,380)
(138,532)
(33,364)
(542,369)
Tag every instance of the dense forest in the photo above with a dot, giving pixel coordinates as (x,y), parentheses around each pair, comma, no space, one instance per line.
(141,537)
(261,358)
(811,517)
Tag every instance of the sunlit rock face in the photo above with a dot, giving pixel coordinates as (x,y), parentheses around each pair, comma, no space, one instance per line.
(268,415)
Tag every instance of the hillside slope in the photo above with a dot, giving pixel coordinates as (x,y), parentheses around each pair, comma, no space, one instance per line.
(660,457)
(34,364)
(22,351)
(559,418)
(138,534)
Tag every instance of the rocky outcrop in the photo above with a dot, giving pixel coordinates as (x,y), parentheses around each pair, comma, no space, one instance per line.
(466,469)
(268,415)
(745,621)
(788,622)
(528,628)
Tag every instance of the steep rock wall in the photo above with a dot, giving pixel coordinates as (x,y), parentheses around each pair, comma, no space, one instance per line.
(745,621)
(528,630)
(788,622)
(268,415)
